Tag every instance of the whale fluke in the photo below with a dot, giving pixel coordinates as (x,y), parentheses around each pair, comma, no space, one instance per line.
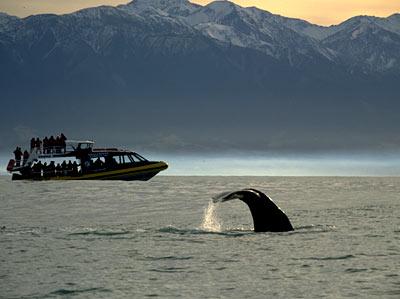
(267,216)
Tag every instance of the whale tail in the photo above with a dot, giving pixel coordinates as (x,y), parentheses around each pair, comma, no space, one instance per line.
(267,216)
(225,196)
(230,195)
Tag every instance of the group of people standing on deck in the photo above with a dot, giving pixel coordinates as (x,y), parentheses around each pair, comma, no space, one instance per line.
(50,145)
(53,170)
(20,155)
(47,146)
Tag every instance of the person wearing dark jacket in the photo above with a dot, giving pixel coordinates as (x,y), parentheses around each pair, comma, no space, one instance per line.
(38,144)
(63,142)
(33,144)
(75,168)
(25,157)
(45,145)
(64,167)
(45,168)
(98,164)
(18,154)
(51,169)
(58,144)
(59,171)
(70,168)
(37,169)
(52,144)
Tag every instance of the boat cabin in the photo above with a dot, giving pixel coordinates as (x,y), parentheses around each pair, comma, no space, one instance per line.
(74,145)
(110,158)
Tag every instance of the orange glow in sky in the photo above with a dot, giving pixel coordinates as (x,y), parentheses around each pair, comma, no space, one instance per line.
(323,12)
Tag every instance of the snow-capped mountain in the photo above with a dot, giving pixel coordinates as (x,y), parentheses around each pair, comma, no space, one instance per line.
(170,7)
(256,29)
(367,44)
(130,45)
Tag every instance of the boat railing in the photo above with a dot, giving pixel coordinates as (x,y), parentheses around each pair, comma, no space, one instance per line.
(105,149)
(49,149)
(54,173)
(60,150)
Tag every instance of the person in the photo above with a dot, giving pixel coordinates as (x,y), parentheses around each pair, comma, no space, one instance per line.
(110,162)
(38,145)
(59,171)
(98,164)
(75,168)
(58,144)
(33,144)
(52,143)
(64,167)
(70,168)
(25,157)
(37,169)
(45,168)
(51,169)
(18,154)
(45,145)
(63,142)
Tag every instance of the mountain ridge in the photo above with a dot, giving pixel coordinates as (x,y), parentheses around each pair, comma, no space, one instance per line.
(221,28)
(184,64)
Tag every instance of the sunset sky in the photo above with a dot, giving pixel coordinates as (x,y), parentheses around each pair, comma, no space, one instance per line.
(323,12)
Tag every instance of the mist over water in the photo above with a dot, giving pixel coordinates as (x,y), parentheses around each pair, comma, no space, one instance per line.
(243,164)
(3,163)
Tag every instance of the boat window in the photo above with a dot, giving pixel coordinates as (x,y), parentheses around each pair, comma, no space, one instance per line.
(84,145)
(127,158)
(102,159)
(142,159)
(70,148)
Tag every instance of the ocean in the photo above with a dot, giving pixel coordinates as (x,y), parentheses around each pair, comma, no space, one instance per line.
(164,238)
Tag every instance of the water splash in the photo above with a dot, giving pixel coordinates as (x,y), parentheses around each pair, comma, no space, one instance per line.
(210,219)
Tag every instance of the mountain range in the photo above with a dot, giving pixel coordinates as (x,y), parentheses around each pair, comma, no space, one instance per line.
(198,77)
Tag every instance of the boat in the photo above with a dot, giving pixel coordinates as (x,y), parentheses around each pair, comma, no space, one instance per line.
(85,163)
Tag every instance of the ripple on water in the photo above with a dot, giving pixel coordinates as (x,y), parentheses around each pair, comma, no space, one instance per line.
(100,233)
(169,269)
(70,292)
(312,229)
(329,258)
(228,233)
(355,270)
(163,258)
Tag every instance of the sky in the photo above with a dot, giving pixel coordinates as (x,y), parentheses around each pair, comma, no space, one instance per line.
(322,12)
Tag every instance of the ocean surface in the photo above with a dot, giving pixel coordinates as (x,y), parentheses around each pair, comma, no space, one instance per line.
(164,238)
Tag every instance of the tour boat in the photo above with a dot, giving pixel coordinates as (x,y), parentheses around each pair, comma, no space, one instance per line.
(89,164)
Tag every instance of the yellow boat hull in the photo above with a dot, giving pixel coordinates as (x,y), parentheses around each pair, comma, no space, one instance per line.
(139,173)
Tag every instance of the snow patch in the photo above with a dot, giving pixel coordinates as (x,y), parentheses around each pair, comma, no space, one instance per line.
(170,7)
(228,34)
